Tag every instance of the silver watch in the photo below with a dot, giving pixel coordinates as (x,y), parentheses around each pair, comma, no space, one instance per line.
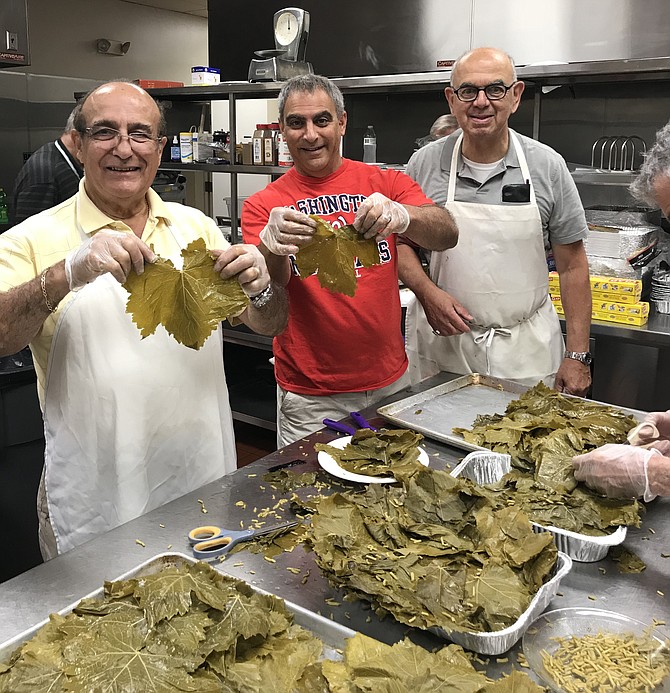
(261,299)
(584,357)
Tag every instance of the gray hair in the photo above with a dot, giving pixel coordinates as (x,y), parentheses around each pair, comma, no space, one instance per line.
(69,125)
(80,122)
(468,53)
(310,84)
(656,164)
(443,125)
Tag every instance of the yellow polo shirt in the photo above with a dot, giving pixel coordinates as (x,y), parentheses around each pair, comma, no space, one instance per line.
(46,238)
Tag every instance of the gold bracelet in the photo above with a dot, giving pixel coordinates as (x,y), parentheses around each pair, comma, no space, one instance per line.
(43,284)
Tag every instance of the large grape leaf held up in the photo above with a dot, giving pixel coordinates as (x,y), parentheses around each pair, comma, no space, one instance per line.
(189,303)
(331,255)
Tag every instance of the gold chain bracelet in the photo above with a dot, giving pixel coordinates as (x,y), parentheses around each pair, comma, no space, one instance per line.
(43,284)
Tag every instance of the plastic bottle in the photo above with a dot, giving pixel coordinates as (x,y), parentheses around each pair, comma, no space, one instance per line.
(284,157)
(4,217)
(370,146)
(175,151)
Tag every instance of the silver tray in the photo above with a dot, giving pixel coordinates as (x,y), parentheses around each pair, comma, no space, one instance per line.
(332,634)
(489,467)
(497,642)
(456,404)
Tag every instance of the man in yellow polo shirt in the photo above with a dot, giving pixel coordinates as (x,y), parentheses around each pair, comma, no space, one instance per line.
(130,424)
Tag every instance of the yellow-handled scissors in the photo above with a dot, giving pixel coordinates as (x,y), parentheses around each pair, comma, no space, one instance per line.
(211,541)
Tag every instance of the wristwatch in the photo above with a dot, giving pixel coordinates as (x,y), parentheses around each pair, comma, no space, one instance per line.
(261,299)
(584,357)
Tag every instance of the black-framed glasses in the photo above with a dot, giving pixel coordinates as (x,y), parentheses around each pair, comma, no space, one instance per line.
(494,92)
(112,136)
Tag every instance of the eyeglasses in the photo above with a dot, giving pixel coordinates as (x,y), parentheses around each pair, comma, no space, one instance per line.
(494,92)
(113,137)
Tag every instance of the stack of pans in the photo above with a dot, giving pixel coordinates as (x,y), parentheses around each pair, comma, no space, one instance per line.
(660,290)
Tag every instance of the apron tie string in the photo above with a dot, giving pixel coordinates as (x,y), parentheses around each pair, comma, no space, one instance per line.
(487,338)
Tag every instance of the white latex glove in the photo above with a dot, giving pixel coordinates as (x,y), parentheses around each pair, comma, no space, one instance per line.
(106,251)
(379,217)
(286,230)
(654,432)
(246,262)
(617,471)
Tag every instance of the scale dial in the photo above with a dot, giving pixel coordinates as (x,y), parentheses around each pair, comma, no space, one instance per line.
(291,29)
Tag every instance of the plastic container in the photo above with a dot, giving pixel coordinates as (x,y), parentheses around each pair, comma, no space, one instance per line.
(370,146)
(186,147)
(175,150)
(284,157)
(257,144)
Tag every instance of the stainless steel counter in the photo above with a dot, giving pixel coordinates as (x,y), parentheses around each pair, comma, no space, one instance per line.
(29,598)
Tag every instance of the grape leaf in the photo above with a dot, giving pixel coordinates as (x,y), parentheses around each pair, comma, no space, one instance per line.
(332,254)
(189,303)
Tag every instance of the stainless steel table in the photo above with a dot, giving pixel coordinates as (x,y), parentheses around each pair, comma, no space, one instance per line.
(30,597)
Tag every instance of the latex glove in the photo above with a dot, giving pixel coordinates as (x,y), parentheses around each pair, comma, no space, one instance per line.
(654,432)
(617,471)
(245,262)
(286,230)
(106,251)
(379,217)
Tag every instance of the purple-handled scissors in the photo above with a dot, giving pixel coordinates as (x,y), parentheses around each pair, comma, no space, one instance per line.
(345,428)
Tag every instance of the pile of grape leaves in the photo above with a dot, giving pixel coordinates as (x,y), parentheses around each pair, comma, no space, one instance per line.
(435,552)
(189,303)
(331,255)
(376,453)
(542,431)
(191,628)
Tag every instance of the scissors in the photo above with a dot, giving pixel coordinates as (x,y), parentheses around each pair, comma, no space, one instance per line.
(345,428)
(210,541)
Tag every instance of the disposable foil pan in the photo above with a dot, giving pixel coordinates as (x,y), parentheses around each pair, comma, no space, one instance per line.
(332,634)
(495,643)
(489,467)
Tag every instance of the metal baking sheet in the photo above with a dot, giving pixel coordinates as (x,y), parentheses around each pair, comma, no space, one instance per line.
(438,410)
(332,634)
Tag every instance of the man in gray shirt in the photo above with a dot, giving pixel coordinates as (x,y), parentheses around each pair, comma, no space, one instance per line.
(485,307)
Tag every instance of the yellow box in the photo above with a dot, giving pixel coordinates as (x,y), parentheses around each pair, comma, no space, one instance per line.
(620,317)
(627,313)
(606,285)
(613,296)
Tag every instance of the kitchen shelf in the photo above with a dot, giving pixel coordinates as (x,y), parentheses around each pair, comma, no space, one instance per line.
(223,168)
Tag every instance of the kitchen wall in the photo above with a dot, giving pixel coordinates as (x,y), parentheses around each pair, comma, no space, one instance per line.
(36,100)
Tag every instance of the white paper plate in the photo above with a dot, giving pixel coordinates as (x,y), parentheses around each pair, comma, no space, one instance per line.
(329,463)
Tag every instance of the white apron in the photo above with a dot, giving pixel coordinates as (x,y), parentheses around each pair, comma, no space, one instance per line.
(130,424)
(498,272)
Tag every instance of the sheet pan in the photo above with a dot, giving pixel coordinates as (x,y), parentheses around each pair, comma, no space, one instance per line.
(438,410)
(331,633)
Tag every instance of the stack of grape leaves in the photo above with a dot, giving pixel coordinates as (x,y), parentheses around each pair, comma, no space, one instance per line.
(191,628)
(190,303)
(434,551)
(332,255)
(377,453)
(542,431)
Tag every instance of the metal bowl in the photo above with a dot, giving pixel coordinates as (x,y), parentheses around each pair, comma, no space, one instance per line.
(565,623)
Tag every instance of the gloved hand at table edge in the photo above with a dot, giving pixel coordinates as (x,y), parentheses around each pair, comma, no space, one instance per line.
(616,471)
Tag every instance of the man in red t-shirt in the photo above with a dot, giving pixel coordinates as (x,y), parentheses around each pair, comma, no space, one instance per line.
(338,353)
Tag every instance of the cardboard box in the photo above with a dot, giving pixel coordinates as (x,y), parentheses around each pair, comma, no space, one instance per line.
(606,287)
(156,83)
(205,75)
(608,311)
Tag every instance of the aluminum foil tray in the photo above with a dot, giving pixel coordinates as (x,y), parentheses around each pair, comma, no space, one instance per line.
(332,634)
(456,404)
(489,467)
(495,643)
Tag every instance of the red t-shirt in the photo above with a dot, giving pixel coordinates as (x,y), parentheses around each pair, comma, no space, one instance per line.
(336,343)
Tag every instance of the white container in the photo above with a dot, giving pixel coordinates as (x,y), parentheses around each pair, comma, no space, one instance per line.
(284,157)
(186,147)
(205,75)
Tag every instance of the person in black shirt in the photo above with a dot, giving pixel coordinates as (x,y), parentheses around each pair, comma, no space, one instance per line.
(49,177)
